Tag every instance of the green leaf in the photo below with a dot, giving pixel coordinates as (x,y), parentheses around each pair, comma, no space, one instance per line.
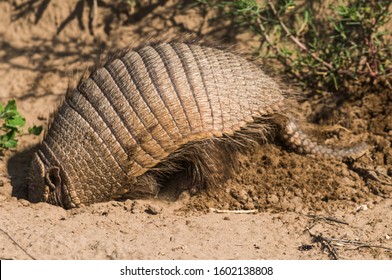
(36,130)
(11,143)
(8,136)
(11,106)
(15,122)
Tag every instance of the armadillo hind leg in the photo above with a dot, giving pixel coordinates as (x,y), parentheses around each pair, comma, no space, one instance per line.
(298,140)
(144,186)
(210,163)
(198,165)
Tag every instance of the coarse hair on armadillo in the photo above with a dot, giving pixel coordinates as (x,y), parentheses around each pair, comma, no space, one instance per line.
(163,108)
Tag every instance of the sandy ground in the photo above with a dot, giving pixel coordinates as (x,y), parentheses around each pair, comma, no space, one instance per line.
(305,208)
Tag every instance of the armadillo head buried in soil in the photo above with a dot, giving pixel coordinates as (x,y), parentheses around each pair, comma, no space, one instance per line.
(154,111)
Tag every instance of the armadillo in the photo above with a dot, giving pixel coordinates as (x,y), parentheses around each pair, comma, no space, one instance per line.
(159,109)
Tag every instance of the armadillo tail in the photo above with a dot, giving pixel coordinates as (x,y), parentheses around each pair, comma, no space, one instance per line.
(298,140)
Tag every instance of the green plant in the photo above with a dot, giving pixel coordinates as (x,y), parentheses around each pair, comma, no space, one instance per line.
(12,123)
(322,48)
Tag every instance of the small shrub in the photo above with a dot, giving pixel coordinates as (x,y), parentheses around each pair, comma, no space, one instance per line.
(324,50)
(12,123)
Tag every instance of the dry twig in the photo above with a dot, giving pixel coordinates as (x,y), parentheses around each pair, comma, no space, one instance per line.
(331,219)
(17,244)
(325,243)
(297,41)
(234,211)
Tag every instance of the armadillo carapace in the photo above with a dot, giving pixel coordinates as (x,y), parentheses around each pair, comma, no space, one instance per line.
(153,111)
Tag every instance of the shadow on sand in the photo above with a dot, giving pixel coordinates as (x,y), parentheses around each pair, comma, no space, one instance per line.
(18,167)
